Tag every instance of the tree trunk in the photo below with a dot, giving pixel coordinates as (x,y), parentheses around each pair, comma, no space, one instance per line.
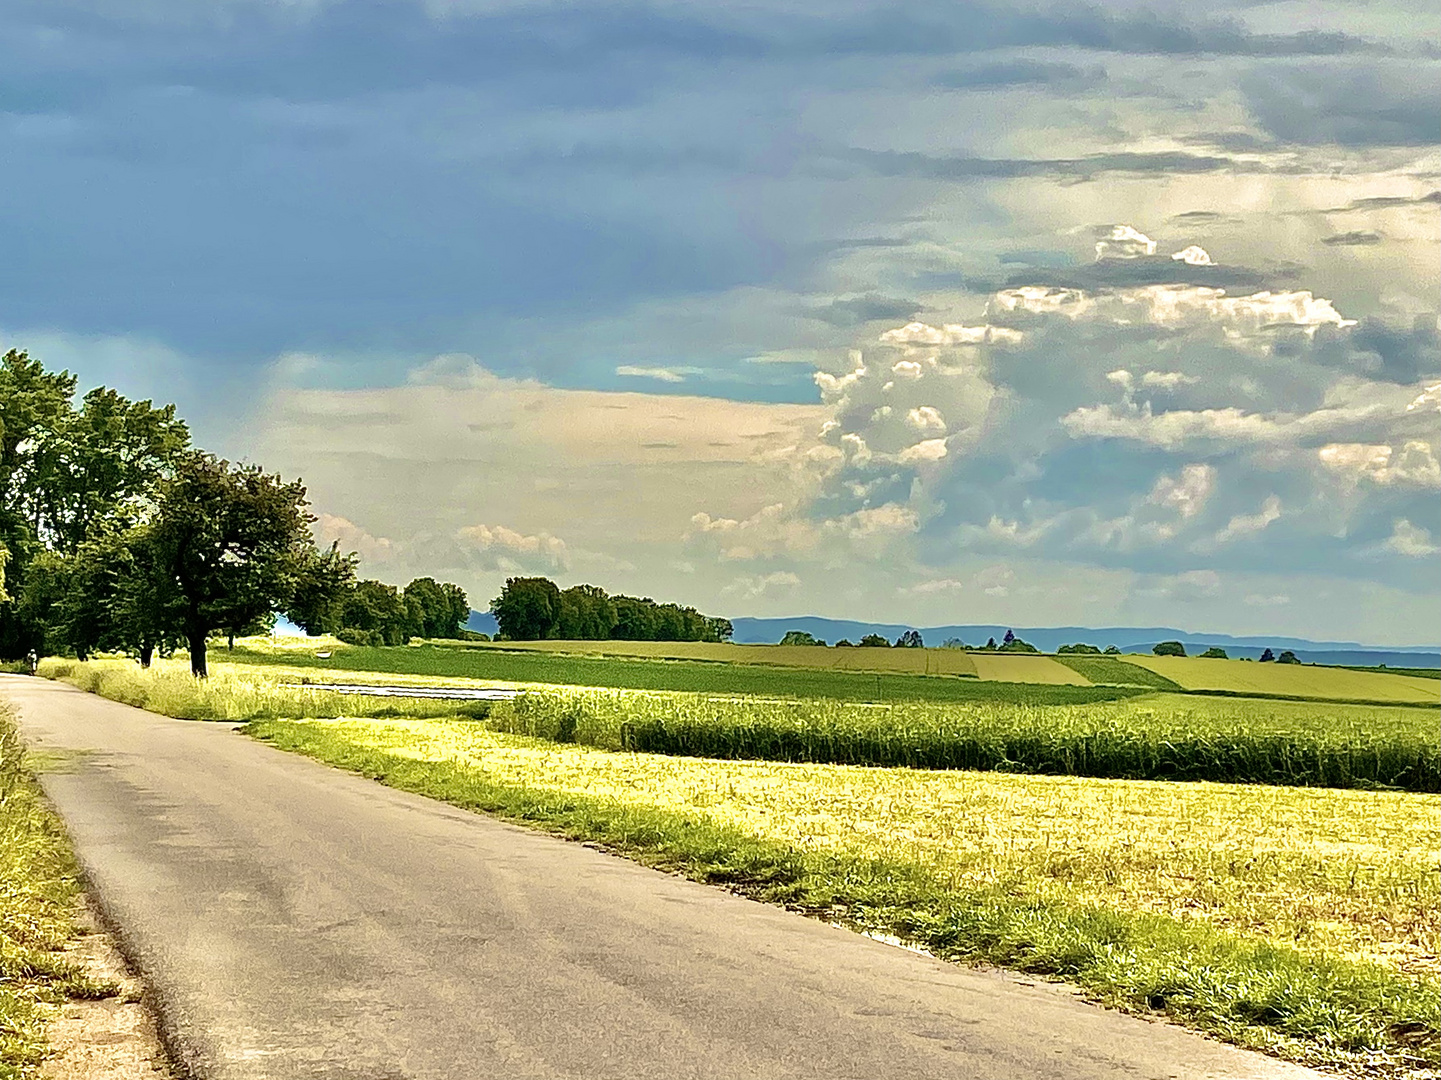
(197,654)
(147,653)
(230,641)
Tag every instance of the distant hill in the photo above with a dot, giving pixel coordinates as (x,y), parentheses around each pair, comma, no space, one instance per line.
(1125,638)
(1049,638)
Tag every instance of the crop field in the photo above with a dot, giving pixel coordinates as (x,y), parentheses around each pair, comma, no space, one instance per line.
(1299,680)
(1299,920)
(1104,670)
(1159,736)
(535,666)
(902,661)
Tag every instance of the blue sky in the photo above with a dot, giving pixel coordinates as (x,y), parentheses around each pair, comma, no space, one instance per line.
(924,312)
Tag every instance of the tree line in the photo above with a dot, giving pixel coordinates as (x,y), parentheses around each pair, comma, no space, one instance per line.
(116,534)
(535,608)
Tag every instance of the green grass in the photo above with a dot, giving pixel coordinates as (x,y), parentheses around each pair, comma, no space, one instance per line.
(169,688)
(38,890)
(1107,669)
(1158,737)
(1304,1004)
(683,675)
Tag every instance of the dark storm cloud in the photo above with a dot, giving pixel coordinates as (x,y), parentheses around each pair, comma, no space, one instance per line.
(1367,106)
(1388,352)
(962,168)
(1147,270)
(865,309)
(1008,74)
(1353,239)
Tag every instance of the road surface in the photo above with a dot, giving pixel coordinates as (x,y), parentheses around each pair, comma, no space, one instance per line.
(297,921)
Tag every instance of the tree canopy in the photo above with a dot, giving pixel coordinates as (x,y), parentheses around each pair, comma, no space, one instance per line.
(534,608)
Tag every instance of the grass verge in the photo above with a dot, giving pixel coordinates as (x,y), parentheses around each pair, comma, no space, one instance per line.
(1307,1005)
(38,889)
(169,689)
(1158,737)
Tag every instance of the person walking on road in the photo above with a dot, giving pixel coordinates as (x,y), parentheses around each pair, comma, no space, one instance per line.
(32,661)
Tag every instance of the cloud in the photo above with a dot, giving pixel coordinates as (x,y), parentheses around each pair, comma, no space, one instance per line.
(1411,541)
(1353,239)
(1124,242)
(659,373)
(1415,465)
(1193,256)
(1188,493)
(763,586)
(863,309)
(333,529)
(1350,105)
(1243,525)
(941,586)
(1263,600)
(498,547)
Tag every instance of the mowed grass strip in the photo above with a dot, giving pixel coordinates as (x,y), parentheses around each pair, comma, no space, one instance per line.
(38,888)
(1104,670)
(1291,920)
(529,666)
(1157,737)
(1292,680)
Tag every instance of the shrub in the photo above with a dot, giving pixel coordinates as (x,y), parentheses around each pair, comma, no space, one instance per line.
(1287,657)
(1169,648)
(1111,650)
(1267,657)
(1080,649)
(874,641)
(1214,653)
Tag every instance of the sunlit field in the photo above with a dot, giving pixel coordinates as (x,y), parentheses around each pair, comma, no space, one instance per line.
(1299,680)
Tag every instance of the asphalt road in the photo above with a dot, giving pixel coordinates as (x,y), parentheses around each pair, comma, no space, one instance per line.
(297,921)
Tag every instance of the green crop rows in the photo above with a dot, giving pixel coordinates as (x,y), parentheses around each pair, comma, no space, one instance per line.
(1170,737)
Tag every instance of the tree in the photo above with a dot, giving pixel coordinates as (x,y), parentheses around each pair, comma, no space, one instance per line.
(587,613)
(527,608)
(800,637)
(1214,653)
(1267,657)
(323,583)
(718,629)
(874,641)
(1015,644)
(845,643)
(990,645)
(1287,657)
(953,643)
(232,542)
(1111,650)
(1078,649)
(1169,648)
(374,613)
(1010,637)
(436,610)
(911,639)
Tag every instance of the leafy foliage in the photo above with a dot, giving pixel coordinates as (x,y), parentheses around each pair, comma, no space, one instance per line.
(534,608)
(1169,648)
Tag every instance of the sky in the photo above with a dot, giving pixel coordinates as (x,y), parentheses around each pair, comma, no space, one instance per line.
(928,313)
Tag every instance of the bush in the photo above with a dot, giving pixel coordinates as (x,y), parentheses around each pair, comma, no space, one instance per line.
(1169,648)
(1214,653)
(874,641)
(1080,649)
(353,636)
(1267,657)
(1111,650)
(1017,645)
(1287,657)
(800,637)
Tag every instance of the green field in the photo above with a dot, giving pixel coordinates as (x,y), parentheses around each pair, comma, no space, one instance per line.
(1299,921)
(1103,670)
(1159,736)
(543,666)
(1292,680)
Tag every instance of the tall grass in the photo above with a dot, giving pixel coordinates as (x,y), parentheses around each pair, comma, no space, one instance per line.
(1167,737)
(38,885)
(169,688)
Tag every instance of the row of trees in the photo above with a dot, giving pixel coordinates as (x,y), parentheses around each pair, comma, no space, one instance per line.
(534,608)
(117,534)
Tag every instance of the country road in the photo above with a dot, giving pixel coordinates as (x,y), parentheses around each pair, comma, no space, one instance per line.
(297,921)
